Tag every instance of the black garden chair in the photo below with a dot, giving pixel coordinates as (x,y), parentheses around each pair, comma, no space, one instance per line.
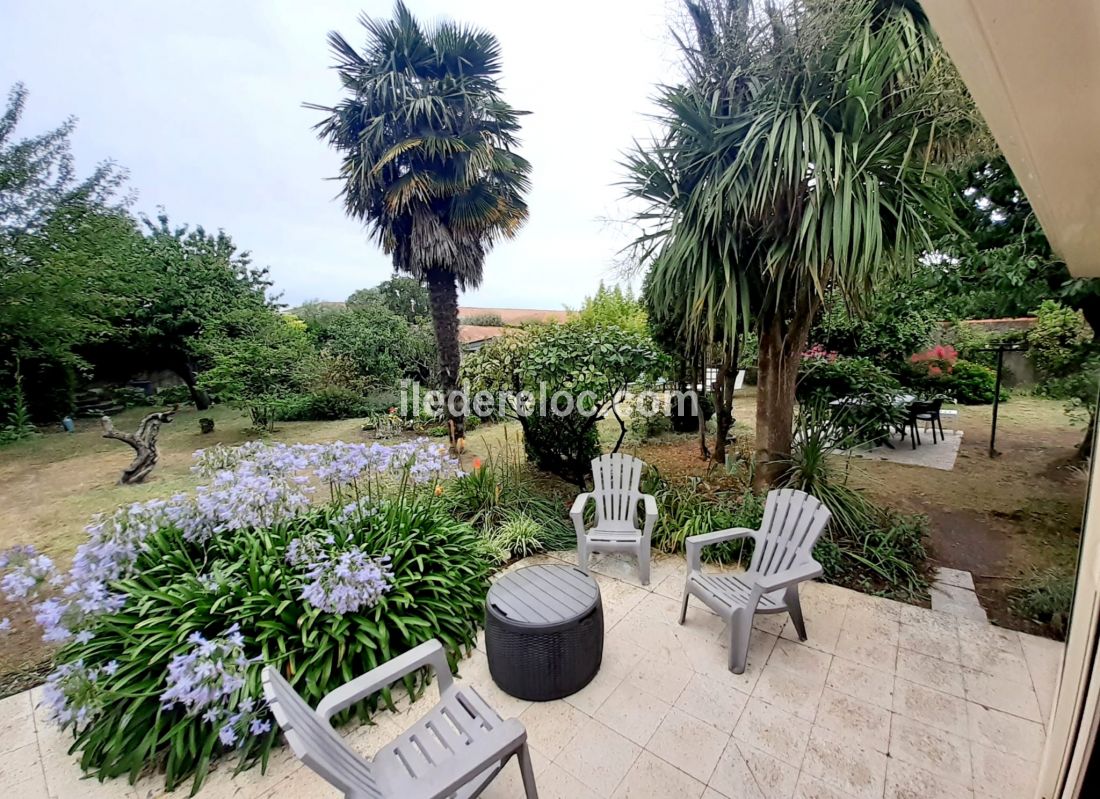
(923,411)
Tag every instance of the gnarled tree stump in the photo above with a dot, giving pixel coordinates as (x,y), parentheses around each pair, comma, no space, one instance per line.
(144,442)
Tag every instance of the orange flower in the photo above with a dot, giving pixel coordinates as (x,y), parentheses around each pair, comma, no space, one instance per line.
(438,490)
(477,464)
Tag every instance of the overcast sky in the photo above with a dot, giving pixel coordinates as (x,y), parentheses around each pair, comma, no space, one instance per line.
(201,102)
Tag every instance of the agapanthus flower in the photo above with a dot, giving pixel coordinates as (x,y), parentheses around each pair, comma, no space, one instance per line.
(73,693)
(208,673)
(343,581)
(28,572)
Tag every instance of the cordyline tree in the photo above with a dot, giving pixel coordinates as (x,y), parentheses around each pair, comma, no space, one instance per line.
(429,161)
(798,157)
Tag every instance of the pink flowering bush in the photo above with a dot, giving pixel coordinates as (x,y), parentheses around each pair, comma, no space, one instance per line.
(934,362)
(172,607)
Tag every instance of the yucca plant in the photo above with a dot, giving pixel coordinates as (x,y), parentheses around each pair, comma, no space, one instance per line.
(429,161)
(798,155)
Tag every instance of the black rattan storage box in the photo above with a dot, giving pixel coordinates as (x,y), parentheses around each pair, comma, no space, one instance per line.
(544,631)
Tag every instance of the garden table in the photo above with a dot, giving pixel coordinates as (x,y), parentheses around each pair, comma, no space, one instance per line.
(544,631)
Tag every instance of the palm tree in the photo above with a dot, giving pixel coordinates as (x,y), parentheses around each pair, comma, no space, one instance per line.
(428,159)
(797,158)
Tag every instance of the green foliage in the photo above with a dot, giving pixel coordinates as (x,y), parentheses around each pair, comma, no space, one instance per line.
(18,425)
(614,306)
(971,343)
(404,296)
(376,346)
(1000,263)
(864,392)
(1059,341)
(325,404)
(1047,597)
(499,490)
(562,445)
(517,537)
(257,360)
(865,546)
(963,381)
(647,421)
(692,507)
(243,577)
(130,397)
(482,319)
(593,365)
(173,395)
(896,321)
(971,384)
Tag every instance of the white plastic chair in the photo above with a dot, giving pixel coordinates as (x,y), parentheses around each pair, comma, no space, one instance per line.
(454,751)
(615,480)
(781,559)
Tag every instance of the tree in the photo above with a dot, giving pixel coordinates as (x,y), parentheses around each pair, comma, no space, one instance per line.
(798,155)
(64,242)
(404,296)
(998,260)
(580,371)
(428,159)
(257,357)
(379,346)
(613,306)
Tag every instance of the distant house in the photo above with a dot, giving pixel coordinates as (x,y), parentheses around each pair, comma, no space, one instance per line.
(472,337)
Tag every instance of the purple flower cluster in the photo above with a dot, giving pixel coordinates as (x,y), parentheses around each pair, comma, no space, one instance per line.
(337,463)
(209,678)
(27,573)
(73,693)
(208,673)
(249,718)
(340,582)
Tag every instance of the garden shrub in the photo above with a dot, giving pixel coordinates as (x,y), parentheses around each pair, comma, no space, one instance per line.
(173,395)
(648,420)
(482,320)
(326,404)
(172,608)
(501,487)
(870,410)
(517,537)
(972,384)
(939,372)
(692,507)
(561,445)
(130,397)
(575,368)
(895,324)
(1047,598)
(1058,340)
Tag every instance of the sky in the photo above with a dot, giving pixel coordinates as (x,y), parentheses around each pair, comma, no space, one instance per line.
(201,101)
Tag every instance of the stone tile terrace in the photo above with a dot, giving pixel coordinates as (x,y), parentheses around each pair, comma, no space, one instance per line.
(885,701)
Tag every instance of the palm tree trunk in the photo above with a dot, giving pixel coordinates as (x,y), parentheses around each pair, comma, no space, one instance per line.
(443,295)
(781,347)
